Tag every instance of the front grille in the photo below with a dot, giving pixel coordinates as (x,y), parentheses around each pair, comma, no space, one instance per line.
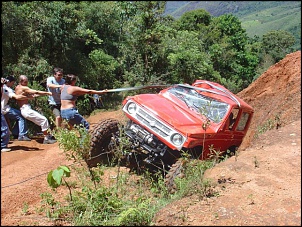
(152,123)
(147,120)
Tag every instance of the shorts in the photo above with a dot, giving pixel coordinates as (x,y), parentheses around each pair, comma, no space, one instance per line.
(74,118)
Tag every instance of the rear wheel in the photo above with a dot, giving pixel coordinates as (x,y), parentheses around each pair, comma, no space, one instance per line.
(104,139)
(232,150)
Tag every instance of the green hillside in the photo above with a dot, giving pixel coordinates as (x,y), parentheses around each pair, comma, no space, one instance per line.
(286,17)
(257,17)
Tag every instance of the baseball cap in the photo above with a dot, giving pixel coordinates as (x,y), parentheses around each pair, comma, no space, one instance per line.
(11,78)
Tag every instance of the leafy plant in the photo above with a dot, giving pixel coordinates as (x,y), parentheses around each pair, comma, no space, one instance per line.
(194,182)
(53,208)
(57,176)
(54,177)
(75,143)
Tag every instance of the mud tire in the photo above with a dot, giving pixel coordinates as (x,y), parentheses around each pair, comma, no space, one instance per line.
(176,170)
(102,145)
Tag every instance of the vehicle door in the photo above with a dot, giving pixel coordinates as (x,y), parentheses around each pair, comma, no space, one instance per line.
(238,127)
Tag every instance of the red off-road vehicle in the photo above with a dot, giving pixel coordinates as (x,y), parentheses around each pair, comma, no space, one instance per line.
(180,120)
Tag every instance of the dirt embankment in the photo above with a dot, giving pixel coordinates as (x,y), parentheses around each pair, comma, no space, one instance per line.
(275,95)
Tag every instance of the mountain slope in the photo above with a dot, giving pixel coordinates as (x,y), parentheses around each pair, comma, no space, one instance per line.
(257,17)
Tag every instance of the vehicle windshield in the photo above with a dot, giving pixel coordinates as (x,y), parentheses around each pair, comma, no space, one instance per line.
(213,109)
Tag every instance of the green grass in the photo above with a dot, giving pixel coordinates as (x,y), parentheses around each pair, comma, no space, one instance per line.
(258,17)
(277,18)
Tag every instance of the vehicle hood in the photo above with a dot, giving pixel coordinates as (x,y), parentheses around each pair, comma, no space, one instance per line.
(178,115)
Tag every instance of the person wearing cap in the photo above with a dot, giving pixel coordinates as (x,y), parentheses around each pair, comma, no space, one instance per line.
(20,129)
(30,114)
(54,83)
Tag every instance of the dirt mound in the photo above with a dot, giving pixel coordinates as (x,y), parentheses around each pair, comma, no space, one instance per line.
(275,96)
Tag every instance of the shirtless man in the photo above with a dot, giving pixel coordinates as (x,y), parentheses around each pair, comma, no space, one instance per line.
(30,114)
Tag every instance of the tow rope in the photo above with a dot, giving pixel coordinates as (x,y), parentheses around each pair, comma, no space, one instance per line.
(98,101)
(221,91)
(136,88)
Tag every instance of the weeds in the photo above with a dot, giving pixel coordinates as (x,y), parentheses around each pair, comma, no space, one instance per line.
(25,208)
(268,125)
(256,162)
(251,199)
(126,201)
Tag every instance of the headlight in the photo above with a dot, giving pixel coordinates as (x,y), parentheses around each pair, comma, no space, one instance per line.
(131,108)
(177,139)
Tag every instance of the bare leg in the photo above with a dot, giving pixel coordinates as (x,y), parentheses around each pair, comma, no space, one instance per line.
(70,126)
(58,122)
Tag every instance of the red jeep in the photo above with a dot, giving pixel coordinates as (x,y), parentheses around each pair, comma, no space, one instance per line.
(180,120)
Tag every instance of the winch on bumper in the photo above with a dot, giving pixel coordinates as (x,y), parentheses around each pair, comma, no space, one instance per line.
(144,142)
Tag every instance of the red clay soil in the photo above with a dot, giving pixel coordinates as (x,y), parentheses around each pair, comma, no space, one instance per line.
(260,186)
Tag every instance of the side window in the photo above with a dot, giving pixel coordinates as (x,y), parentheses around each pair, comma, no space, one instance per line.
(242,122)
(232,118)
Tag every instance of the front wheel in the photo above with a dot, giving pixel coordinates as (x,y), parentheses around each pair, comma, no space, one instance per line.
(176,170)
(103,142)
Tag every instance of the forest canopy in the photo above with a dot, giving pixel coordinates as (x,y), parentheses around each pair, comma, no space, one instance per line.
(111,44)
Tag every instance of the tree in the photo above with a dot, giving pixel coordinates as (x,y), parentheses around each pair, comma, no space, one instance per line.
(193,20)
(277,44)
(226,42)
(140,50)
(186,59)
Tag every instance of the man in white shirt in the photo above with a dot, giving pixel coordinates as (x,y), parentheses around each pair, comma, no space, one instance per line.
(20,128)
(54,84)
